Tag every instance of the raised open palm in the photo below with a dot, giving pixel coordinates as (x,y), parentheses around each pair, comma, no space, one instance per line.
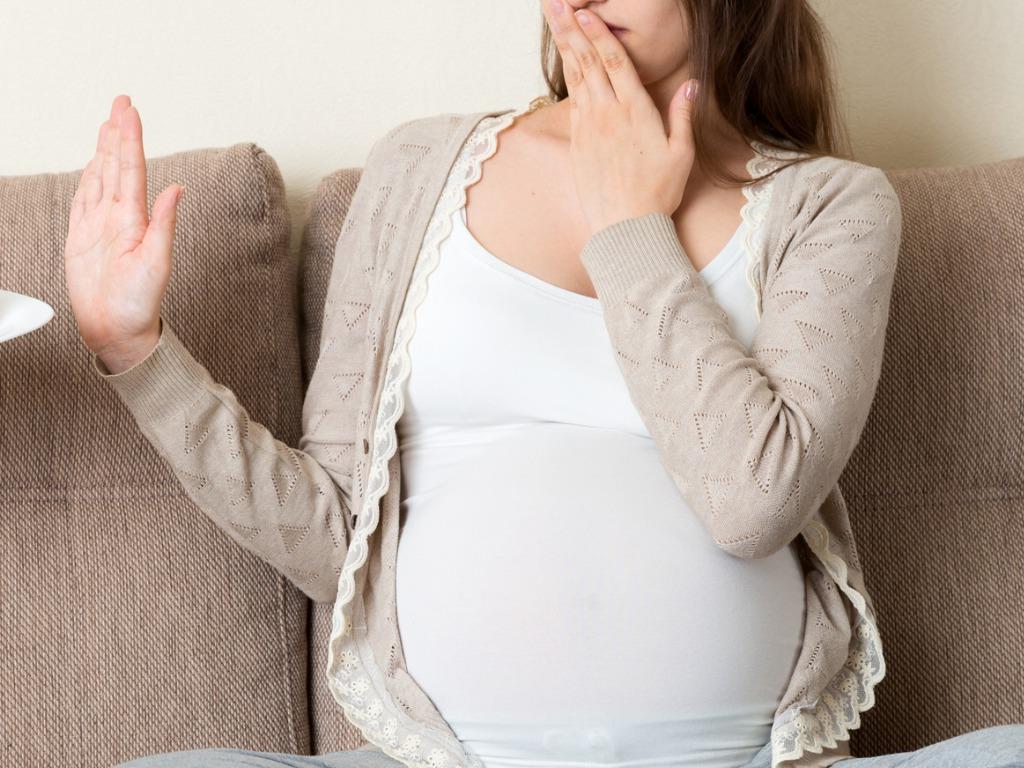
(117,259)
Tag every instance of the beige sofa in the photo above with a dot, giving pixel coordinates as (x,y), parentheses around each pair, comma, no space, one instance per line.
(130,624)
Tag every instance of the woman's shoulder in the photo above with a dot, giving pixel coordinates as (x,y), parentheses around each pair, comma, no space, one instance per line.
(817,171)
(825,205)
(843,188)
(433,130)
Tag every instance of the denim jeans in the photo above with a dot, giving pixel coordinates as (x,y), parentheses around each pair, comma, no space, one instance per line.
(998,746)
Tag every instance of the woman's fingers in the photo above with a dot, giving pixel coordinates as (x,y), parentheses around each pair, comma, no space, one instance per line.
(112,149)
(90,185)
(99,138)
(100,174)
(159,237)
(111,141)
(95,175)
(121,102)
(133,159)
(613,58)
(585,76)
(88,193)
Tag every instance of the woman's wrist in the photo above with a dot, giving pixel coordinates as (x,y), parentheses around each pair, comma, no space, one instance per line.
(120,357)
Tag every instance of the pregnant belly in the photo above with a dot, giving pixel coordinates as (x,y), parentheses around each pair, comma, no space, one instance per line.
(554,574)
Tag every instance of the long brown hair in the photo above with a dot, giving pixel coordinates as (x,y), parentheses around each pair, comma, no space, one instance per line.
(768,64)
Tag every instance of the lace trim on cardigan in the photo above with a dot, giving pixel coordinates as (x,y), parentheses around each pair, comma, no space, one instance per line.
(352,677)
(753,212)
(837,710)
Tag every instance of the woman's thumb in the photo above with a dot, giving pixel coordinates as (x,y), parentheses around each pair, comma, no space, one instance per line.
(681,114)
(159,237)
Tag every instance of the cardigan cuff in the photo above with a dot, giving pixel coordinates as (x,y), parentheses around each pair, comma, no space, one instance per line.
(163,383)
(622,254)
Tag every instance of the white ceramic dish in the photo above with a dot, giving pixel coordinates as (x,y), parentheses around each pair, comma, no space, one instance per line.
(21,314)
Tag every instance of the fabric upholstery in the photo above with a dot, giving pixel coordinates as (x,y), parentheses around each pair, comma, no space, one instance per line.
(129,623)
(934,487)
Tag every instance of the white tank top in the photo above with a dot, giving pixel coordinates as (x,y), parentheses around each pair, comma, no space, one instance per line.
(558,600)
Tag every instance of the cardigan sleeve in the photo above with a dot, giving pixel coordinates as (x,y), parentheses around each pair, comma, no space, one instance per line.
(289,506)
(755,439)
(273,500)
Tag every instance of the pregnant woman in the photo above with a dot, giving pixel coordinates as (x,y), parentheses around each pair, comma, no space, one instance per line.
(570,455)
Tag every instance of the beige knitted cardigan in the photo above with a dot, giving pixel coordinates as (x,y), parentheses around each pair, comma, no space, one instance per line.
(755,439)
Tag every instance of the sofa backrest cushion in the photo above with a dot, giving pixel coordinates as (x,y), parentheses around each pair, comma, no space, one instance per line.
(130,623)
(934,486)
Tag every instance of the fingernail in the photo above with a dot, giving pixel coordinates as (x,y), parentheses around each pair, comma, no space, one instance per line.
(583,16)
(691,90)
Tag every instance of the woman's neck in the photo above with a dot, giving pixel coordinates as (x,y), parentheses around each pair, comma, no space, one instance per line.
(722,140)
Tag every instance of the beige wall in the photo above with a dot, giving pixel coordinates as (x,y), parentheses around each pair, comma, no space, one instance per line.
(930,82)
(924,82)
